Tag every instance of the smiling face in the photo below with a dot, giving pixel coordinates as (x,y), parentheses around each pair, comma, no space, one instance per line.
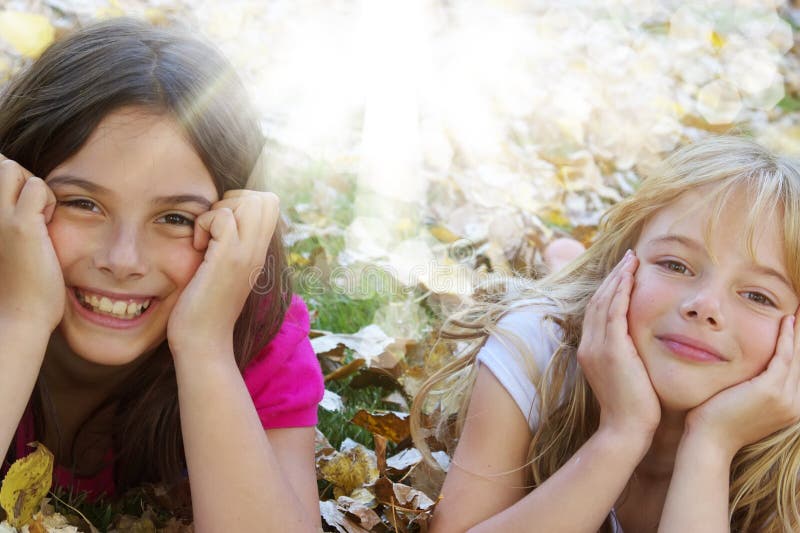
(705,314)
(123,230)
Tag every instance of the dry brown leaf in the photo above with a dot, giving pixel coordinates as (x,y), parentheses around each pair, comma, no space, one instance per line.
(336,518)
(402,496)
(380,452)
(134,524)
(345,371)
(366,516)
(368,343)
(401,462)
(392,425)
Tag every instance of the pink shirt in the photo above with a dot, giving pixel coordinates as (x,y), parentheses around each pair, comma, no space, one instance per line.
(284,381)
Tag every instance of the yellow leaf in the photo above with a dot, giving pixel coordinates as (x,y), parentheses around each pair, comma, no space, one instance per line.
(350,468)
(554,216)
(25,484)
(443,234)
(28,33)
(156,16)
(111,11)
(717,41)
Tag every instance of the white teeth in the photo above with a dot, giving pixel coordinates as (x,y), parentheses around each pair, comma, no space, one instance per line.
(106,305)
(117,308)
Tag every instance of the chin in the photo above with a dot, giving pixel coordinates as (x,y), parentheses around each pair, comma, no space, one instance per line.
(681,397)
(109,353)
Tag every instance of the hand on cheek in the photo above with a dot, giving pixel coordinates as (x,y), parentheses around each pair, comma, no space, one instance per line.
(31,282)
(235,235)
(756,408)
(610,361)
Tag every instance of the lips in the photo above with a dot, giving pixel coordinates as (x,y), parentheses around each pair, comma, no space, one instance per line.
(138,298)
(690,348)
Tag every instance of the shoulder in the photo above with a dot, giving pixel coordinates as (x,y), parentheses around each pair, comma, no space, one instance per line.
(520,347)
(284,379)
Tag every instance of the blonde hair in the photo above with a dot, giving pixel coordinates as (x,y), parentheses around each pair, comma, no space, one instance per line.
(763,487)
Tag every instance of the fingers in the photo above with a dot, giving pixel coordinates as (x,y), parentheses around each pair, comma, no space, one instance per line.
(247,211)
(36,197)
(617,325)
(612,296)
(256,213)
(217,224)
(12,179)
(789,326)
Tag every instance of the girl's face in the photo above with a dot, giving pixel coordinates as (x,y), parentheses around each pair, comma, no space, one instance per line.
(705,315)
(122,230)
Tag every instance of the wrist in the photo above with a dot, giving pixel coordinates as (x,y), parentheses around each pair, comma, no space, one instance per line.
(29,328)
(633,442)
(205,353)
(703,441)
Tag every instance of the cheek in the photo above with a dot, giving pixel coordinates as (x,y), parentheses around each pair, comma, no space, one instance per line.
(68,243)
(180,261)
(648,296)
(758,346)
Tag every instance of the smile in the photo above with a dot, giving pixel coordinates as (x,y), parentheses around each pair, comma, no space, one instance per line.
(114,312)
(690,349)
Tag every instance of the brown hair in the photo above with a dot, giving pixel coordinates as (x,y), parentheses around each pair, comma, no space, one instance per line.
(46,115)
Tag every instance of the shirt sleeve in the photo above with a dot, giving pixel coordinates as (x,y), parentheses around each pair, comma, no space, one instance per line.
(507,354)
(284,379)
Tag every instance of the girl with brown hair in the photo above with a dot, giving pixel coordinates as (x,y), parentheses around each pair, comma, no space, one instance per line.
(147,331)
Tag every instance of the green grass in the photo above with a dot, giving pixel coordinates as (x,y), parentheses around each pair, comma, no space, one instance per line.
(336,425)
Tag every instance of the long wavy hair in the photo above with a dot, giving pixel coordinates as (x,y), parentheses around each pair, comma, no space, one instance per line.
(46,115)
(763,483)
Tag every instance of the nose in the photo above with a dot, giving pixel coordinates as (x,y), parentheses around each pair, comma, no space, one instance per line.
(704,306)
(120,254)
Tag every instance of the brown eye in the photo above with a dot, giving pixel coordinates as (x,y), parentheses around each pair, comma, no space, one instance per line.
(79,203)
(759,298)
(174,219)
(674,266)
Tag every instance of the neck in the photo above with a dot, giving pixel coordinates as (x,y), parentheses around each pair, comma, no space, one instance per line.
(659,460)
(74,389)
(64,371)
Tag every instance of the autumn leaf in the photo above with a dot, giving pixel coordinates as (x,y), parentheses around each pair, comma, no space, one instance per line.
(368,343)
(350,468)
(401,496)
(28,33)
(25,484)
(392,425)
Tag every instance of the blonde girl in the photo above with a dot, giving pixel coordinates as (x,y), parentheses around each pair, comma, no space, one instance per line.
(146,331)
(654,383)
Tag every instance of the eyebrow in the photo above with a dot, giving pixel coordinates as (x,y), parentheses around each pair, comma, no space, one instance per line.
(159,201)
(694,245)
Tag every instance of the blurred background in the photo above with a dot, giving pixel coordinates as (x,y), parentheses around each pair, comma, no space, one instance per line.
(423,147)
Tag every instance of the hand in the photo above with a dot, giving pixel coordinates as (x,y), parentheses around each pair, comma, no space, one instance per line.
(235,234)
(31,282)
(610,362)
(748,412)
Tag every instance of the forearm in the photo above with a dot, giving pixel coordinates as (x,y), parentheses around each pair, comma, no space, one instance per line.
(22,348)
(697,499)
(236,481)
(579,496)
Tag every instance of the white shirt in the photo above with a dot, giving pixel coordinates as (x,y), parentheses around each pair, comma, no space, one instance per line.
(524,333)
